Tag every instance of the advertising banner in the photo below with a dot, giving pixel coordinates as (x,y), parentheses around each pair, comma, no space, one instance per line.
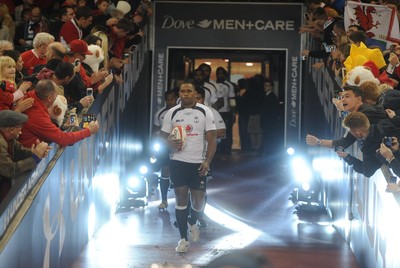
(249,26)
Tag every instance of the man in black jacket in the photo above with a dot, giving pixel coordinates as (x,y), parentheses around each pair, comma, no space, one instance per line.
(371,136)
(353,100)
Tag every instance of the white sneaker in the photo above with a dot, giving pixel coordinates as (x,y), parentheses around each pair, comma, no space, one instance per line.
(183,246)
(194,232)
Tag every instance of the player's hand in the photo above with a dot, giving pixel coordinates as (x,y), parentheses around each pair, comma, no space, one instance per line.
(204,168)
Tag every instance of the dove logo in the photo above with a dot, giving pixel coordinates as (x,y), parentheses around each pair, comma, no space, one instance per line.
(171,23)
(204,23)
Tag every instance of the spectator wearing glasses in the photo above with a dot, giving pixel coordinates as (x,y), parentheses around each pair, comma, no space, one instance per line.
(65,14)
(72,29)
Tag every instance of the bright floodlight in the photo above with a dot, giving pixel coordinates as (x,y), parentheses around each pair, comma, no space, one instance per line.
(301,170)
(290,151)
(143,170)
(306,186)
(153,159)
(133,182)
(156,146)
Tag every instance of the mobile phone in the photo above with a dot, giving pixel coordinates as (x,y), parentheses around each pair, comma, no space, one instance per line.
(77,62)
(387,141)
(89,91)
(72,118)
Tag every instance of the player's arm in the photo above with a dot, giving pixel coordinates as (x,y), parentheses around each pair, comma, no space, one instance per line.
(211,137)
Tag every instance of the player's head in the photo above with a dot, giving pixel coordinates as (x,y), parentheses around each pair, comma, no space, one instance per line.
(170,97)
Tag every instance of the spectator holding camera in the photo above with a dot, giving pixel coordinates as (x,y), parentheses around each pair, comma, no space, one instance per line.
(388,151)
(76,89)
(39,125)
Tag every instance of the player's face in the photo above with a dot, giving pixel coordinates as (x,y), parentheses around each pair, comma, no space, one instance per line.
(170,101)
(199,99)
(187,93)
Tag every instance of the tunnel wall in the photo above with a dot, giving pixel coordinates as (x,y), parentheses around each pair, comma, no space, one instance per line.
(49,215)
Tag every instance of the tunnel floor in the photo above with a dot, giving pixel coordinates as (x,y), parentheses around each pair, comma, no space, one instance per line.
(248,208)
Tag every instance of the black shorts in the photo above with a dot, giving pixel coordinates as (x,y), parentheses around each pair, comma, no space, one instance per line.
(187,174)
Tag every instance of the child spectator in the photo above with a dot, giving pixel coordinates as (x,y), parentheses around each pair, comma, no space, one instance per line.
(8,92)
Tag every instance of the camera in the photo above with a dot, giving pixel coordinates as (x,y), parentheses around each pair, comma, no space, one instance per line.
(89,91)
(387,141)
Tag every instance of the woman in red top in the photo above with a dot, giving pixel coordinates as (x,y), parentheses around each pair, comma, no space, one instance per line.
(9,93)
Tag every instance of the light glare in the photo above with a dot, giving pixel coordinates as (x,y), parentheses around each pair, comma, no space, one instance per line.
(143,170)
(91,220)
(133,182)
(290,151)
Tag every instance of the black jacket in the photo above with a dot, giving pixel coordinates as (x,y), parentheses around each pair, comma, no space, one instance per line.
(369,147)
(375,114)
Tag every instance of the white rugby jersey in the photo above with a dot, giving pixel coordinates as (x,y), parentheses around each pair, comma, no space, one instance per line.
(227,91)
(159,117)
(196,121)
(219,122)
(210,96)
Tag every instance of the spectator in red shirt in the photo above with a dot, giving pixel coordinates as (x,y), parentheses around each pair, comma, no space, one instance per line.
(37,55)
(39,125)
(72,30)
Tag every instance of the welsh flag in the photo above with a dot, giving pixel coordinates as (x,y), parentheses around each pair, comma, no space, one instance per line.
(380,22)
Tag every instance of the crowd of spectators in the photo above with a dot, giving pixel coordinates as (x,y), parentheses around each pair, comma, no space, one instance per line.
(369,101)
(57,56)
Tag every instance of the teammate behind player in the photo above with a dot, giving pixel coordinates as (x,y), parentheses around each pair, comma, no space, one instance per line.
(170,97)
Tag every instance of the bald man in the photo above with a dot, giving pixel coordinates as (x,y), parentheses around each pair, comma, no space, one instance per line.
(55,50)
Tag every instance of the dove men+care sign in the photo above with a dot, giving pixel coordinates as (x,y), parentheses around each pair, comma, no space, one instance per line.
(231,26)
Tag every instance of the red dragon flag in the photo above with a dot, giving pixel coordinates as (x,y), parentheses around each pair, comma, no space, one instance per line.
(380,22)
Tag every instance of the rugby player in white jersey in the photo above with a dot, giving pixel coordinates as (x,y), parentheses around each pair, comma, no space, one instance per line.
(189,164)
